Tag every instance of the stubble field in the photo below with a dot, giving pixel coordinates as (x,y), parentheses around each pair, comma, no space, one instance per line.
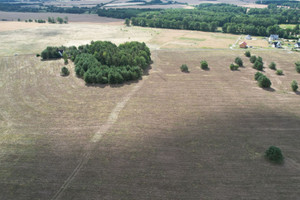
(172,135)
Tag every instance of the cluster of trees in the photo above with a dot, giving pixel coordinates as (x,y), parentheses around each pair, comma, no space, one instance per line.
(262,80)
(59,20)
(103,62)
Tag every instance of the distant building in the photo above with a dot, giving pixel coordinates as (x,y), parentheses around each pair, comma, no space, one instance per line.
(273,37)
(297,45)
(276,44)
(248,37)
(243,45)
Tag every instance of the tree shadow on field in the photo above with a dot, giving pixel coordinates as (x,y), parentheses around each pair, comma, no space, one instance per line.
(269,89)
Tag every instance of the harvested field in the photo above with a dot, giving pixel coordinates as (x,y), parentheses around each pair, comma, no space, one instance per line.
(91,18)
(11,26)
(178,136)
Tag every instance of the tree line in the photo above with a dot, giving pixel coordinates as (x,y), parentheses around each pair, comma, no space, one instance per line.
(104,62)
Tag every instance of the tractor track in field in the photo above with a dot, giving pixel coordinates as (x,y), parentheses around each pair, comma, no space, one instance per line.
(113,117)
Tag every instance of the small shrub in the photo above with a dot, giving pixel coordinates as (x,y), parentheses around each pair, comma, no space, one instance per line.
(298,66)
(294,85)
(252,59)
(264,82)
(184,68)
(274,154)
(204,65)
(272,66)
(257,75)
(233,67)
(38,55)
(238,61)
(64,71)
(258,65)
(260,59)
(247,54)
(279,72)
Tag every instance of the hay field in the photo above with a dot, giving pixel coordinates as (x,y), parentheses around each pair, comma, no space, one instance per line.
(171,135)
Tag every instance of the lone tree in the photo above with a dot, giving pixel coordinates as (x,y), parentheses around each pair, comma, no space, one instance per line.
(247,54)
(297,66)
(238,61)
(257,75)
(294,85)
(184,68)
(127,22)
(274,154)
(279,72)
(233,67)
(258,65)
(204,65)
(272,66)
(252,59)
(64,71)
(264,82)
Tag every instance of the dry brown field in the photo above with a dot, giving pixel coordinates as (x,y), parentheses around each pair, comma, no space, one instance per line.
(171,135)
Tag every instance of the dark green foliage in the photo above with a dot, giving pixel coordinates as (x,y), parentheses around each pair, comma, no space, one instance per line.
(274,154)
(184,68)
(297,66)
(247,54)
(279,72)
(272,66)
(64,71)
(60,20)
(103,62)
(257,75)
(260,59)
(252,59)
(204,65)
(233,67)
(127,22)
(238,61)
(258,65)
(264,82)
(38,55)
(50,53)
(294,85)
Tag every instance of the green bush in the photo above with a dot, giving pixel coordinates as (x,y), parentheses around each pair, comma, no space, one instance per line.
(184,68)
(257,75)
(64,71)
(272,66)
(274,154)
(298,66)
(38,55)
(233,67)
(247,54)
(258,65)
(204,65)
(264,82)
(260,59)
(238,61)
(294,85)
(279,72)
(252,59)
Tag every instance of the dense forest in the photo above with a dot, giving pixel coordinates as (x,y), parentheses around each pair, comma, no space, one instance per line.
(205,17)
(232,19)
(103,62)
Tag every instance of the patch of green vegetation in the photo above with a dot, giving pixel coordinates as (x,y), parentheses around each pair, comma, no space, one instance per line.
(193,39)
(284,26)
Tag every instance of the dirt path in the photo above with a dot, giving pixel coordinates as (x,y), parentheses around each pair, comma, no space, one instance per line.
(113,117)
